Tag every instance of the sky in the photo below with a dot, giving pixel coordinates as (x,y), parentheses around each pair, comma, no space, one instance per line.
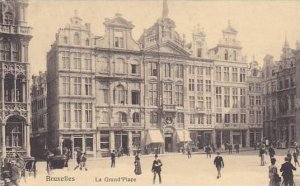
(262,25)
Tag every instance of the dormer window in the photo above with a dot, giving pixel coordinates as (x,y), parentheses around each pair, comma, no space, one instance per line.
(118,39)
(8,18)
(76,39)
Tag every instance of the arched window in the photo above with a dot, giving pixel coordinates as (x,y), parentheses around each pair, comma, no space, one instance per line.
(136,117)
(14,132)
(122,117)
(254,72)
(20,88)
(76,39)
(8,18)
(120,95)
(226,55)
(234,55)
(9,88)
(5,50)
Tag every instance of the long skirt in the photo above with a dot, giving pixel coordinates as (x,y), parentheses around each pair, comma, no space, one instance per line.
(138,169)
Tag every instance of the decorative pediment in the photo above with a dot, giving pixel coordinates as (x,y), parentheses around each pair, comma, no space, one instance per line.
(118,21)
(170,48)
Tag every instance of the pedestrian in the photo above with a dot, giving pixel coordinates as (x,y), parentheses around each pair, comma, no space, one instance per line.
(137,164)
(189,153)
(83,161)
(15,173)
(67,153)
(208,151)
(156,168)
(237,148)
(78,159)
(219,163)
(230,148)
(295,156)
(213,148)
(113,159)
(289,155)
(275,179)
(287,172)
(271,152)
(262,153)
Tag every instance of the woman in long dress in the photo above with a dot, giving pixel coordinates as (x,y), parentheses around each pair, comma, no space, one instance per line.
(137,163)
(273,174)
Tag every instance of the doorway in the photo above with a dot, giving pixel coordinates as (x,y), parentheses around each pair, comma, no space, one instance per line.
(168,142)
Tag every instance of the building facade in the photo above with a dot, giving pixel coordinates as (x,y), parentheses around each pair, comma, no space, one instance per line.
(155,94)
(39,117)
(15,76)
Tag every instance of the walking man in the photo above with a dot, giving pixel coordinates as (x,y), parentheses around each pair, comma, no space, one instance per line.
(271,152)
(219,163)
(156,168)
(189,153)
(208,151)
(113,159)
(78,159)
(287,172)
(295,156)
(83,161)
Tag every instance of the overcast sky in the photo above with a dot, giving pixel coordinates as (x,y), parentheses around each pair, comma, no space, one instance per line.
(261,24)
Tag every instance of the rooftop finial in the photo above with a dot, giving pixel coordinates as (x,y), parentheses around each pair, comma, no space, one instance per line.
(165,9)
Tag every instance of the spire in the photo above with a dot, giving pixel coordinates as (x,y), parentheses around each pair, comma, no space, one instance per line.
(165,9)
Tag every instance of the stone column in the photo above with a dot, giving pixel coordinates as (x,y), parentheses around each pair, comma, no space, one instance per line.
(111,140)
(231,136)
(143,141)
(130,142)
(248,138)
(28,140)
(98,142)
(213,136)
(3,140)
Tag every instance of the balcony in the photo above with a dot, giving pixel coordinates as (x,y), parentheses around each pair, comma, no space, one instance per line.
(231,126)
(255,125)
(9,29)
(170,108)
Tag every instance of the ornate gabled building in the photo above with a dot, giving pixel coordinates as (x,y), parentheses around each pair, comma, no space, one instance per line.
(15,76)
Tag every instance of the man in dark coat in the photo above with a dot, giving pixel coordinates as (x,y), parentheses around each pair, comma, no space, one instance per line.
(287,172)
(15,173)
(219,163)
(156,168)
(271,152)
(113,159)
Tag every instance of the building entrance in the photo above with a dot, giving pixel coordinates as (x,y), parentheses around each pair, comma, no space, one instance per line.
(121,142)
(168,142)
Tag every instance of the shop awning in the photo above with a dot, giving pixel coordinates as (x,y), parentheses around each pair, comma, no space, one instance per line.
(183,136)
(154,136)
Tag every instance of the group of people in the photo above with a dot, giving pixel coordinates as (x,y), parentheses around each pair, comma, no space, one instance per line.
(11,169)
(81,159)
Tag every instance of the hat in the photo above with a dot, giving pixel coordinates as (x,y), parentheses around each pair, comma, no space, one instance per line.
(156,156)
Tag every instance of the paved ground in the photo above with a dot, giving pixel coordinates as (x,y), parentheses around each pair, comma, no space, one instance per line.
(240,170)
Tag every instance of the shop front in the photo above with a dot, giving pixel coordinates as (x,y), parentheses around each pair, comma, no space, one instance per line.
(154,142)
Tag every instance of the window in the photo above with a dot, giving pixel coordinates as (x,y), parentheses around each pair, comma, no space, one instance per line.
(235,118)
(234,74)
(120,95)
(208,119)
(227,118)
(218,118)
(76,39)
(251,100)
(219,97)
(65,40)
(258,117)
(235,97)
(153,69)
(104,139)
(192,102)
(102,65)
(251,87)
(191,85)
(89,143)
(179,95)
(200,102)
(153,94)
(167,68)
(88,61)
(15,51)
(87,42)
(227,97)
(77,86)
(180,118)
(200,71)
(192,119)
(14,137)
(208,102)
(191,69)
(77,60)
(66,85)
(120,66)
(88,86)
(199,85)
(258,100)
(122,117)
(208,71)
(167,94)
(136,117)
(258,87)
(5,50)
(153,117)
(234,55)
(218,73)
(226,55)
(8,18)
(243,118)
(199,52)
(88,115)
(226,73)
(66,59)
(105,117)
(78,114)
(118,39)
(286,83)
(67,115)
(200,118)
(179,71)
(208,86)
(251,115)
(134,69)
(243,97)
(242,75)
(135,97)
